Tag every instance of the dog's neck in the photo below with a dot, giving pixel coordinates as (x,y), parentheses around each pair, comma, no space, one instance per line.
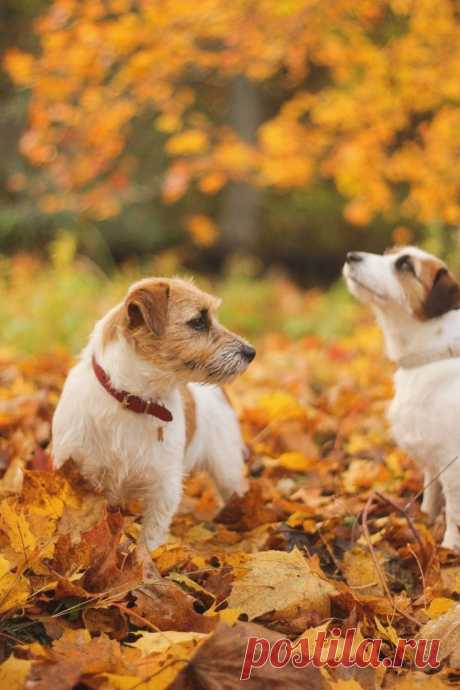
(126,369)
(406,337)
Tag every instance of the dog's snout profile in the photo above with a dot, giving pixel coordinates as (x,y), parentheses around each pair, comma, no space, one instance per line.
(354,257)
(248,352)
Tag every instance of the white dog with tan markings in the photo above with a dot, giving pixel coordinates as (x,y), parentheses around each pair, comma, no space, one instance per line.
(416,301)
(143,406)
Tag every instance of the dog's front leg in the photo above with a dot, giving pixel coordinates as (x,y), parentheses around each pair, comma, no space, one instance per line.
(451,487)
(162,496)
(432,496)
(227,470)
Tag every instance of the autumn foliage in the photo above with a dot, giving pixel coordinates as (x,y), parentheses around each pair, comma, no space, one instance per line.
(364,93)
(330,534)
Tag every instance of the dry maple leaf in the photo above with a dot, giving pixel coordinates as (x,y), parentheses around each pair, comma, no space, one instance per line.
(167,607)
(282,584)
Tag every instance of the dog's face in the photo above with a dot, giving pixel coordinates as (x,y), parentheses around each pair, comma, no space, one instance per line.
(407,277)
(173,325)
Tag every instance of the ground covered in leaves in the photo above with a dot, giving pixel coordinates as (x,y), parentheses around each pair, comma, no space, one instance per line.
(329,536)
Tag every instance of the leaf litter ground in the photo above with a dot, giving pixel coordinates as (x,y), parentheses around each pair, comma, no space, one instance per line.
(330,535)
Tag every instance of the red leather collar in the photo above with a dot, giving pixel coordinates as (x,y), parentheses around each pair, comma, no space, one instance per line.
(129,401)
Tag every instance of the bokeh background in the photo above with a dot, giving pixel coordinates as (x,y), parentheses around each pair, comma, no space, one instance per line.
(250,143)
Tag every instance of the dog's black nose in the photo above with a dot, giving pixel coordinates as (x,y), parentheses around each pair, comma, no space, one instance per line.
(354,257)
(248,352)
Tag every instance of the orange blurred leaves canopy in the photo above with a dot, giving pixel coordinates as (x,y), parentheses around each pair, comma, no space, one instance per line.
(367,95)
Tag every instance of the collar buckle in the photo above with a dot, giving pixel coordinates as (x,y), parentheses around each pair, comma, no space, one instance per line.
(125,400)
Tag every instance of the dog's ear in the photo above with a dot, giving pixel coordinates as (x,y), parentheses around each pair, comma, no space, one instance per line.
(443,296)
(149,306)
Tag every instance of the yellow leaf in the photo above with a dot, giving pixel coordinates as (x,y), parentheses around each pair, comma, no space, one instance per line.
(360,572)
(13,673)
(20,66)
(14,588)
(123,682)
(168,123)
(297,519)
(281,582)
(439,606)
(388,633)
(358,444)
(230,615)
(280,406)
(451,579)
(199,533)
(188,142)
(294,461)
(16,527)
(160,681)
(188,583)
(168,556)
(156,642)
(393,462)
(11,482)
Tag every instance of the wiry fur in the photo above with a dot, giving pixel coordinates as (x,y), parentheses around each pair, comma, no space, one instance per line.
(148,347)
(417,306)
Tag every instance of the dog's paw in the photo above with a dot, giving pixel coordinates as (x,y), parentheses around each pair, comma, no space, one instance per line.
(153,540)
(150,572)
(243,487)
(451,541)
(239,488)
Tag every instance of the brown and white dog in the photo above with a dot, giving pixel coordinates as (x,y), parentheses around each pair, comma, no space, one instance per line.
(417,304)
(134,414)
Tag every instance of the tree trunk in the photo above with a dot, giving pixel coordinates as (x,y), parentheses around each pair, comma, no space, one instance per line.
(241,203)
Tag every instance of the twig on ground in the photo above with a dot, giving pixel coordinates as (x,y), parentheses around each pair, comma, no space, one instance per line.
(377,565)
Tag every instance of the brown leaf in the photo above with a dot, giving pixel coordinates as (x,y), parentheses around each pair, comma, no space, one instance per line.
(75,655)
(218,663)
(445,628)
(167,607)
(246,512)
(110,621)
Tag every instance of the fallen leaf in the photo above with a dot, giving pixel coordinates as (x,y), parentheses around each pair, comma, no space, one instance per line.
(248,511)
(445,628)
(439,606)
(151,642)
(167,607)
(14,587)
(275,581)
(360,572)
(218,664)
(297,462)
(13,673)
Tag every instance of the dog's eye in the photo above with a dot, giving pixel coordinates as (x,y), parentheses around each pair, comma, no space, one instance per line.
(199,323)
(404,263)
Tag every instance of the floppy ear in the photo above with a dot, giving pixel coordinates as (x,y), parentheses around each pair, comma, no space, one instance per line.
(443,296)
(149,307)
